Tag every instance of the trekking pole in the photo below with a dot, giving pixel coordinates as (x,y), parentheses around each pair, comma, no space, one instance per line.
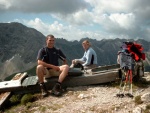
(126,81)
(120,87)
(121,82)
(131,82)
(130,91)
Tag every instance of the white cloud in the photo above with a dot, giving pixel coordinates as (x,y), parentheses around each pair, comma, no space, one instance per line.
(119,21)
(61,31)
(108,6)
(82,17)
(4,4)
(45,6)
(128,18)
(37,24)
(113,18)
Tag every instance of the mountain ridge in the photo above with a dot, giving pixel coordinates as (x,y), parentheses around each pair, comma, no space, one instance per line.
(20,42)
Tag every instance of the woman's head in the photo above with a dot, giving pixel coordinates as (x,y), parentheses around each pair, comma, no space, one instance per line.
(86,44)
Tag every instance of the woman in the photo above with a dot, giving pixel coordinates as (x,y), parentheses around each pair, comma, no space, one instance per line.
(89,59)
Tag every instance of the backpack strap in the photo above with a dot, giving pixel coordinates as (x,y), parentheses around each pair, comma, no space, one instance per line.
(58,53)
(45,54)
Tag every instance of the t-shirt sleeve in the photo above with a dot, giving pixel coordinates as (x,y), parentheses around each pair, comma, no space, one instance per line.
(40,55)
(61,54)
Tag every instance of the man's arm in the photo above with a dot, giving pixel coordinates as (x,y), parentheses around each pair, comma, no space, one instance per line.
(40,62)
(64,61)
(62,56)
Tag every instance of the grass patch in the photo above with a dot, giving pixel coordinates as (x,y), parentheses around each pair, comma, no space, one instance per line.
(43,108)
(138,100)
(148,107)
(15,99)
(55,107)
(147,110)
(27,98)
(30,72)
(142,83)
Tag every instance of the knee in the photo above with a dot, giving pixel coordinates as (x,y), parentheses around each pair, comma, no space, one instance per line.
(39,67)
(66,67)
(74,61)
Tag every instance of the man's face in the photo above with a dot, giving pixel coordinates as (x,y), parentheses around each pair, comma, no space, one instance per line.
(50,42)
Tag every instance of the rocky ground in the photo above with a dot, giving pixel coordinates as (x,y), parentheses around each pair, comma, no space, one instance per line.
(90,99)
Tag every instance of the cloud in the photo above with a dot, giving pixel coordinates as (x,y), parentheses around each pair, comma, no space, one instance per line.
(117,22)
(37,24)
(128,18)
(4,4)
(82,17)
(75,18)
(44,6)
(69,32)
(60,31)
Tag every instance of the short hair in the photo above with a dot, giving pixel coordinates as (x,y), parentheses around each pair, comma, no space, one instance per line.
(87,42)
(52,36)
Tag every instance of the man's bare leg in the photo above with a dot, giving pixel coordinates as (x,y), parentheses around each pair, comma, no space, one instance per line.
(57,90)
(40,70)
(64,72)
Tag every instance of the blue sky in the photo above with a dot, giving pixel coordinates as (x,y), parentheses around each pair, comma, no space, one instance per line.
(76,19)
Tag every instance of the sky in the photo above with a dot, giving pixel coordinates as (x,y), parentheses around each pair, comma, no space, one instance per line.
(76,19)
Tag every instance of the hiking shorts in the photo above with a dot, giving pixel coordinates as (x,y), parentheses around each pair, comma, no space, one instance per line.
(50,72)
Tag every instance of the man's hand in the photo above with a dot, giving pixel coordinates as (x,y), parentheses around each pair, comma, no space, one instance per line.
(56,68)
(65,61)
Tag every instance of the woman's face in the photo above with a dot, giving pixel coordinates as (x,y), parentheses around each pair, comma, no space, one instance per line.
(85,45)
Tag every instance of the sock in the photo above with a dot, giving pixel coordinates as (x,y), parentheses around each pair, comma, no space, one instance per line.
(59,83)
(41,83)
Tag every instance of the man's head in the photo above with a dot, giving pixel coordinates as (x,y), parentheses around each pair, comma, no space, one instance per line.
(50,41)
(86,44)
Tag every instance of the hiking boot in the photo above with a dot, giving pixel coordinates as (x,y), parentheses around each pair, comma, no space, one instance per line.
(43,90)
(57,90)
(129,95)
(120,95)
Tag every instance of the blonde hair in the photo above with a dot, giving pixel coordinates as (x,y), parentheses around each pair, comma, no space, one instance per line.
(86,42)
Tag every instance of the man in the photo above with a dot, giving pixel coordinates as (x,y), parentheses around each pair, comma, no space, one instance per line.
(89,59)
(48,66)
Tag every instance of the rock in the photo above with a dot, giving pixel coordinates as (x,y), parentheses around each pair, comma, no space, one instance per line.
(137,110)
(81,96)
(148,78)
(145,97)
(143,106)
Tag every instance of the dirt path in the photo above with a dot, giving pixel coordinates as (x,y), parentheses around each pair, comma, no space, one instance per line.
(85,99)
(88,99)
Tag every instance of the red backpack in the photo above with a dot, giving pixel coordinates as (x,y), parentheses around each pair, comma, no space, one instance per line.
(136,50)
